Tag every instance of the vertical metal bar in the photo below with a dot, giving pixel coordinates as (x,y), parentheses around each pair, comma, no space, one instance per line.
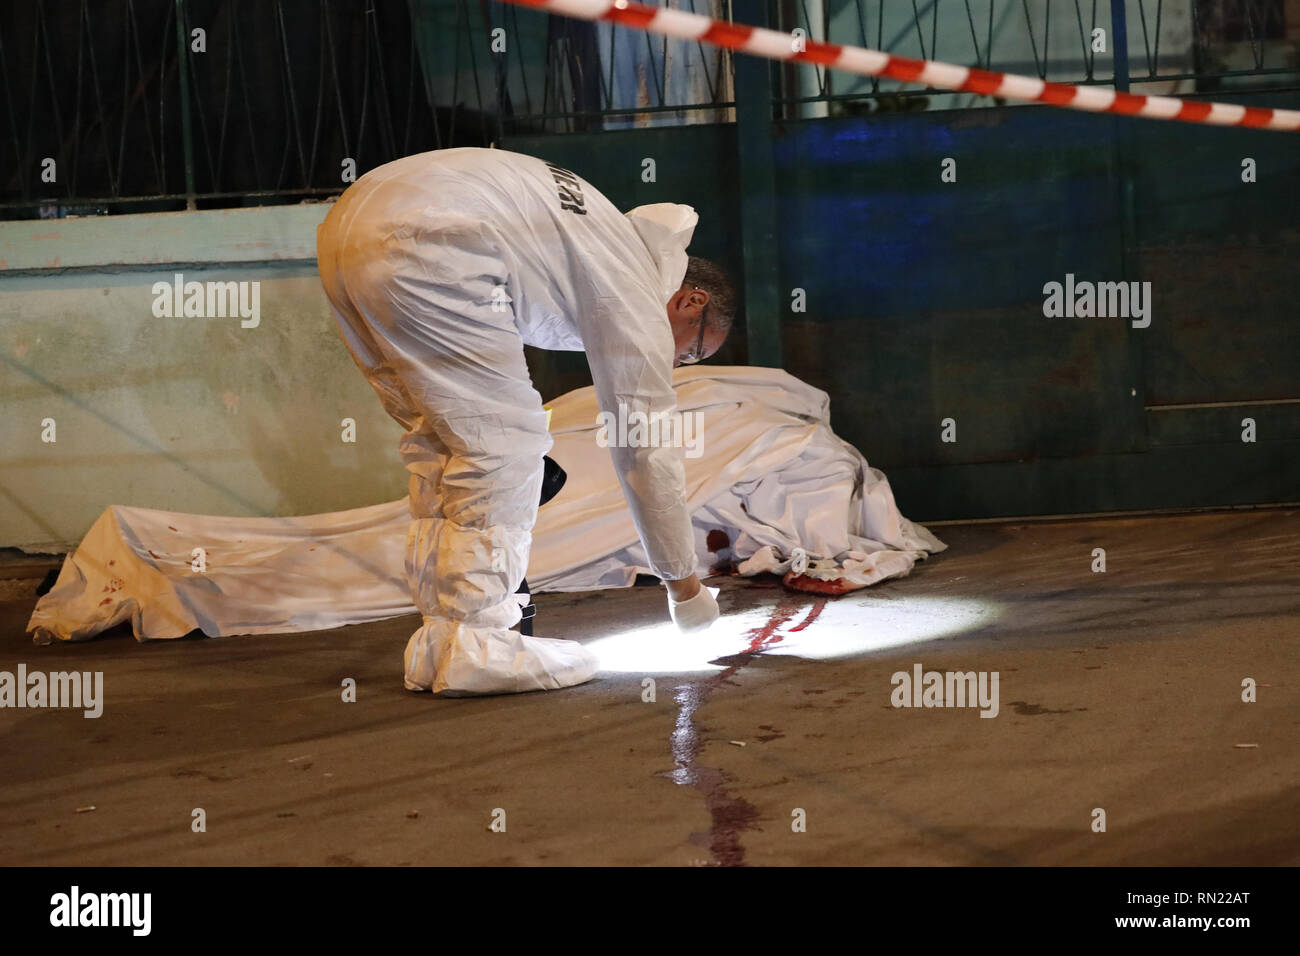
(1119,41)
(1047,34)
(424,36)
(495,17)
(187,137)
(1041,70)
(757,179)
(1123,131)
(1155,57)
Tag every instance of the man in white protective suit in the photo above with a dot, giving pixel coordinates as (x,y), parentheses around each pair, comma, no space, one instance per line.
(440,267)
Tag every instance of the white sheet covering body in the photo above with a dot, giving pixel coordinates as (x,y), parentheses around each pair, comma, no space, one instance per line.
(770,475)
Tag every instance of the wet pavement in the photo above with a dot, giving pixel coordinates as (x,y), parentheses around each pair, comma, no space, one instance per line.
(772,740)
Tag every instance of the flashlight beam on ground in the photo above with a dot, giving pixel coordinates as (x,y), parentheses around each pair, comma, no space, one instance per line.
(944,76)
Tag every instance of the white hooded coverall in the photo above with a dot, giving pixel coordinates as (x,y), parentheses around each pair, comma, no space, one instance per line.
(439,268)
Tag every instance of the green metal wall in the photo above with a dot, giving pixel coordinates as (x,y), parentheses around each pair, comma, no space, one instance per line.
(924,299)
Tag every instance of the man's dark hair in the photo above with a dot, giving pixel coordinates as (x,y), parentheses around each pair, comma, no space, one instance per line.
(706,274)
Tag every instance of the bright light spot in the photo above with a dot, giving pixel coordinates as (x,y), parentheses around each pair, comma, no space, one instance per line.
(847,626)
(660,649)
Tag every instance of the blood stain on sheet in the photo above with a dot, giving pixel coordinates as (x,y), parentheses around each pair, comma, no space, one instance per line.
(717,540)
(731,815)
(803,582)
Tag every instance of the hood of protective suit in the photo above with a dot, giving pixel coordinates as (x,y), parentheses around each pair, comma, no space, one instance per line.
(666,229)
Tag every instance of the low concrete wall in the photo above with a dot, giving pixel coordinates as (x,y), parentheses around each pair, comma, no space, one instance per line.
(188,414)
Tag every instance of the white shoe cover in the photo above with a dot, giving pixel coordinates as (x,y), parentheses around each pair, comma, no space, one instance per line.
(458,660)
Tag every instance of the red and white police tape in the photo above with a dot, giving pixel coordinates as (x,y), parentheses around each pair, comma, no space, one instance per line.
(945,76)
